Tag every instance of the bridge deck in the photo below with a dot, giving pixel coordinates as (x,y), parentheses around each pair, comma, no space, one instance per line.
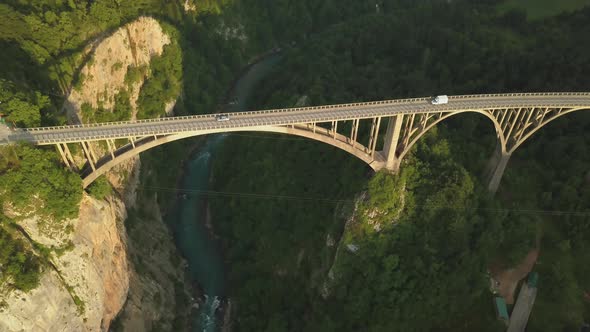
(280,117)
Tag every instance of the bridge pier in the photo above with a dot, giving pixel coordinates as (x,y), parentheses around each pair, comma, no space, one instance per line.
(394,128)
(374,135)
(112,147)
(334,129)
(63,155)
(89,155)
(69,155)
(496,167)
(354,131)
(66,156)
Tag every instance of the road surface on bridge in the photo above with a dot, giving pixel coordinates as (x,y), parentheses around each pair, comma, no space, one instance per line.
(281,117)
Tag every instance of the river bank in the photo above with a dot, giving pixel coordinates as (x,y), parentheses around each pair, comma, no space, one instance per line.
(232,92)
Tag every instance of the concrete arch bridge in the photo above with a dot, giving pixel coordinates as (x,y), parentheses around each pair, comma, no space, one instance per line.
(515,117)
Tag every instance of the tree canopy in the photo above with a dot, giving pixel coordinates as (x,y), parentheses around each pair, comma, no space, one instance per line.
(37,182)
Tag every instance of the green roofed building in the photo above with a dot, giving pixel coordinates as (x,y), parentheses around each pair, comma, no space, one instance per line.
(524,304)
(533,279)
(501,310)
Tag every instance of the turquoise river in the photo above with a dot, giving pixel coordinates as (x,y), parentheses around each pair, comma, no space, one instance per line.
(195,241)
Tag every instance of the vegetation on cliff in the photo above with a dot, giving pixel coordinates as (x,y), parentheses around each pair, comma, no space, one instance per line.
(100,188)
(34,181)
(21,107)
(164,82)
(20,268)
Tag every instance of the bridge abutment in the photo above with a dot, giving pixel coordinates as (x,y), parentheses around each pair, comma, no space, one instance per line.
(496,167)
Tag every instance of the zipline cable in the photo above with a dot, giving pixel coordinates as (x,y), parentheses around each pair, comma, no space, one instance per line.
(211,193)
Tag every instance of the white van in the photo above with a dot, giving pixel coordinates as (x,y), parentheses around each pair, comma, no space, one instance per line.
(439,100)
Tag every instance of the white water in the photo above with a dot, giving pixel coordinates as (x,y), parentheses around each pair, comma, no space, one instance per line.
(207,316)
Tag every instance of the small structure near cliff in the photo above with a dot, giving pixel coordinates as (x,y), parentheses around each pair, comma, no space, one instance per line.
(501,310)
(524,304)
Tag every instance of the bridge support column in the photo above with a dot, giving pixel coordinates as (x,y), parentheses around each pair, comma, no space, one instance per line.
(91,150)
(354,131)
(69,154)
(63,155)
(66,156)
(373,136)
(394,128)
(112,148)
(88,155)
(334,128)
(496,167)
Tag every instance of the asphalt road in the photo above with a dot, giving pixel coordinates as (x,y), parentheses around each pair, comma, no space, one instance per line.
(245,120)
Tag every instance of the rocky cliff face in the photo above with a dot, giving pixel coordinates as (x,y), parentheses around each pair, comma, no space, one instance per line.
(103,76)
(85,287)
(159,298)
(98,271)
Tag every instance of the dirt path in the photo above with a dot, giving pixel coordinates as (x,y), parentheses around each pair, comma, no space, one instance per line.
(508,279)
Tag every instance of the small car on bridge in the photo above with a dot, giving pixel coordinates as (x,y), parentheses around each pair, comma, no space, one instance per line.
(222,117)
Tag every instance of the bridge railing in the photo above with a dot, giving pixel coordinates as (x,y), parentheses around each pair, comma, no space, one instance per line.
(303,109)
(522,94)
(212,116)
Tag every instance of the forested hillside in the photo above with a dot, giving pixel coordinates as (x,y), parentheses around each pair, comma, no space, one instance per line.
(425,237)
(428,236)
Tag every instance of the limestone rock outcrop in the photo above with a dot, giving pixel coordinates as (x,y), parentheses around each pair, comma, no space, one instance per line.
(85,287)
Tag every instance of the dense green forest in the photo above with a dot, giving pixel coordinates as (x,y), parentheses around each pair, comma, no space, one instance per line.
(439,231)
(427,269)
(536,9)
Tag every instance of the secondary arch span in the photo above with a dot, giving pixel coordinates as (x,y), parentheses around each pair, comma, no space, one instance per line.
(413,140)
(544,122)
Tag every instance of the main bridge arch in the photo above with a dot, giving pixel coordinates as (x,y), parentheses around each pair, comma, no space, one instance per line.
(513,126)
(329,136)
